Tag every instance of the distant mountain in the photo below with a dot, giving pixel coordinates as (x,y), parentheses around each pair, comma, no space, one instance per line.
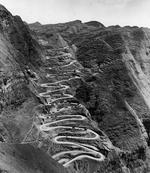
(67,28)
(95,24)
(36,24)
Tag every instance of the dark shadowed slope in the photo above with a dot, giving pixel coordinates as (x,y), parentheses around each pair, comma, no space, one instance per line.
(26,159)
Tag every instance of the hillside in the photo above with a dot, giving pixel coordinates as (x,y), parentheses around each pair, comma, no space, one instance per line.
(26,159)
(19,52)
(75,97)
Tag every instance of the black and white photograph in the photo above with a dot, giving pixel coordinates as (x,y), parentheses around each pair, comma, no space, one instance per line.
(74,86)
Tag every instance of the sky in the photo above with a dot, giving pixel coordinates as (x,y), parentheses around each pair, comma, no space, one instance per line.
(108,12)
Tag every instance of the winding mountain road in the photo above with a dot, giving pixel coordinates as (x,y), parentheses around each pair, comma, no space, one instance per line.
(72,130)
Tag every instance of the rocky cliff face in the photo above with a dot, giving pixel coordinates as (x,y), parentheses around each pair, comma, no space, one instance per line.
(76,92)
(119,62)
(20,56)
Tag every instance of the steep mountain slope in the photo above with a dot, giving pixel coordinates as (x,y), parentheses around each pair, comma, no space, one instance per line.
(18,51)
(63,127)
(115,88)
(119,57)
(76,92)
(20,56)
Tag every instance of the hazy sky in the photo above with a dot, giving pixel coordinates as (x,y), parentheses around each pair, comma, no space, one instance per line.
(109,12)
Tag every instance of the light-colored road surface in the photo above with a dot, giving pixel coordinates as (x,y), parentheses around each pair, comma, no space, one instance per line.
(70,130)
(47,85)
(67,65)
